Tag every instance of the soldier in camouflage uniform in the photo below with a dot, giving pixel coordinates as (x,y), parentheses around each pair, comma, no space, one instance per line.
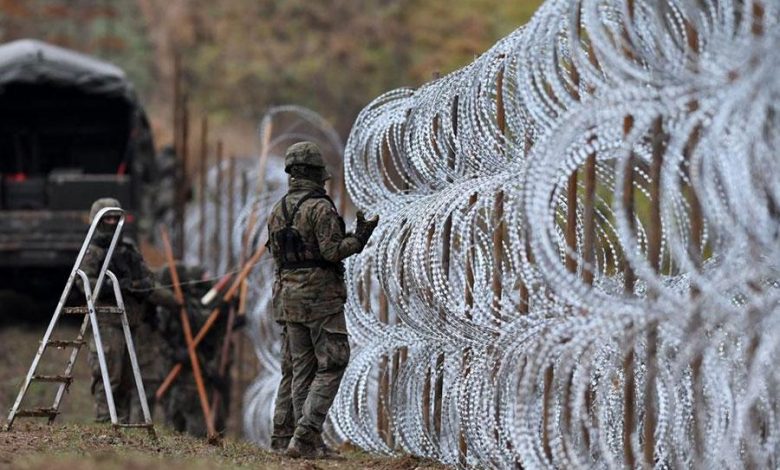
(182,407)
(138,286)
(308,242)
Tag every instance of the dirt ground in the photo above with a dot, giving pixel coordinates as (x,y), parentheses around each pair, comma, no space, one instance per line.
(74,442)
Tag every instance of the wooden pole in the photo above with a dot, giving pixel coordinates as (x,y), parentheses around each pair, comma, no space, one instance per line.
(177,146)
(654,257)
(383,422)
(231,210)
(216,246)
(525,295)
(185,322)
(241,341)
(204,155)
(185,181)
(588,220)
(176,104)
(629,280)
(498,207)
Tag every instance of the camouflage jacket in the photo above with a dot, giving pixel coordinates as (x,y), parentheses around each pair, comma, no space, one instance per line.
(136,282)
(310,293)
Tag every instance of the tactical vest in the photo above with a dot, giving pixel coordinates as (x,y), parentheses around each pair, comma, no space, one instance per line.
(292,248)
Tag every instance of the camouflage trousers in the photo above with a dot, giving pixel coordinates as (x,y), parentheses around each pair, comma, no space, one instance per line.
(120,374)
(319,353)
(183,411)
(284,415)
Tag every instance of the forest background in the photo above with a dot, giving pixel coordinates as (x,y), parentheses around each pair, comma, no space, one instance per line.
(239,57)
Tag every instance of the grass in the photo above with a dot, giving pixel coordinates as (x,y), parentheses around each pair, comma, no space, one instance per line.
(75,442)
(93,446)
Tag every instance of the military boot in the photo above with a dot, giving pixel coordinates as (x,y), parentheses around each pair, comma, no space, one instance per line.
(279,444)
(324,452)
(301,449)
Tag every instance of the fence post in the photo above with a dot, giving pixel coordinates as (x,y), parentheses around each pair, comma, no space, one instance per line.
(654,257)
(629,411)
(204,155)
(216,245)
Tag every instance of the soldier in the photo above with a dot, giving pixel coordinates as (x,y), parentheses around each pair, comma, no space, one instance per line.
(137,287)
(308,242)
(182,408)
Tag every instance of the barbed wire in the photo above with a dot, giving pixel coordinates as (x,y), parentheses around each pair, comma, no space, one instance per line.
(522,344)
(508,312)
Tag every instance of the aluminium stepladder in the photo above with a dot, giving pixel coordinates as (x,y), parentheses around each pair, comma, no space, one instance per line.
(90,313)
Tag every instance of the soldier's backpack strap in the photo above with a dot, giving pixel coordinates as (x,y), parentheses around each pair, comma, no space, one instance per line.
(290,217)
(288,238)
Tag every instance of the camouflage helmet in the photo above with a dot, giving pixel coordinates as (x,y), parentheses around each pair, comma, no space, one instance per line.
(303,153)
(102,203)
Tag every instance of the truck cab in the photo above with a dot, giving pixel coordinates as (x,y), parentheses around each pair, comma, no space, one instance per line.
(71,130)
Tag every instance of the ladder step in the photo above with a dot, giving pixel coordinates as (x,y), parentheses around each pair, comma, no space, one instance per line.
(134,425)
(37,413)
(66,379)
(63,343)
(85,310)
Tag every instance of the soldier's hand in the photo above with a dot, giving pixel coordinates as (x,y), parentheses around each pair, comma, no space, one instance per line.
(141,285)
(364,228)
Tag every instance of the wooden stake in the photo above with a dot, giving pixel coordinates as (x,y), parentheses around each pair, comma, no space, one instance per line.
(654,256)
(185,181)
(204,155)
(383,422)
(588,220)
(216,246)
(231,211)
(629,392)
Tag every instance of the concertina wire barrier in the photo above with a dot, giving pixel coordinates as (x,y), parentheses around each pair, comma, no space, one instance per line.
(576,263)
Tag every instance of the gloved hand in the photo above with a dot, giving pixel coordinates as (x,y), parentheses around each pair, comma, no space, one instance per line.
(364,228)
(141,285)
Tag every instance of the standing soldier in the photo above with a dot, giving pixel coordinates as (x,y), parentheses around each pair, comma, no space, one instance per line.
(308,242)
(138,287)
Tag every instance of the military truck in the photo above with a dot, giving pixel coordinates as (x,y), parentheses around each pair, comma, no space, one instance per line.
(71,130)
